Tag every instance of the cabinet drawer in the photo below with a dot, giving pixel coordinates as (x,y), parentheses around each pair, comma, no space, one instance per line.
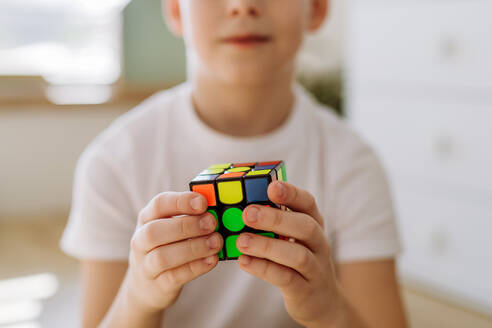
(447,142)
(445,43)
(447,245)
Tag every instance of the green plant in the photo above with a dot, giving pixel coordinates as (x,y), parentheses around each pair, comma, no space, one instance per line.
(327,89)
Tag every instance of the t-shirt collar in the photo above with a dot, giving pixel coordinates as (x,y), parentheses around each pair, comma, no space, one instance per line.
(212,140)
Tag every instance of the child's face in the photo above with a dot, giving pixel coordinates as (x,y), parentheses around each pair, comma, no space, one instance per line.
(280,25)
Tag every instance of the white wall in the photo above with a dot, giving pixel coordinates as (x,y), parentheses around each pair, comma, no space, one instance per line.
(39,147)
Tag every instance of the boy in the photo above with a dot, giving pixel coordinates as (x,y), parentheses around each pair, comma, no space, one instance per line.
(148,249)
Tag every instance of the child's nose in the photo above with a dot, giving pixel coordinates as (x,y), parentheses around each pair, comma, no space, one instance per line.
(243,7)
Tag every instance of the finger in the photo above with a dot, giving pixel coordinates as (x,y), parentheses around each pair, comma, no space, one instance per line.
(278,275)
(292,224)
(297,199)
(174,255)
(188,271)
(171,203)
(165,231)
(292,255)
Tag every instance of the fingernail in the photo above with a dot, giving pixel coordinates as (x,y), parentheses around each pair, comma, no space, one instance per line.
(205,222)
(252,215)
(244,241)
(280,190)
(209,260)
(213,242)
(196,203)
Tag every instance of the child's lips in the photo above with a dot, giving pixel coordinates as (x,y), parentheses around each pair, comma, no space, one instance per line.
(247,40)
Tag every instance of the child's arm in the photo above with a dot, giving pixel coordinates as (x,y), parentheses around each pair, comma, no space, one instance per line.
(372,288)
(166,253)
(124,310)
(102,281)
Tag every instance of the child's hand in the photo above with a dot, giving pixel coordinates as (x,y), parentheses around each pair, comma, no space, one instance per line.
(303,270)
(166,252)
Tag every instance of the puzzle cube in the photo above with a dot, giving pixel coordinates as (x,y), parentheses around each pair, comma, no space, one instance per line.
(229,188)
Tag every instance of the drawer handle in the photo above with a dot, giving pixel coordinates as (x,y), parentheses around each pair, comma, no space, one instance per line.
(439,241)
(448,48)
(444,147)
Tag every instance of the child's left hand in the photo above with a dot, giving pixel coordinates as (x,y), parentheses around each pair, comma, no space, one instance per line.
(303,270)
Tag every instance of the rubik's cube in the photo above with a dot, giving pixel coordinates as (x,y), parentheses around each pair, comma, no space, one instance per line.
(229,188)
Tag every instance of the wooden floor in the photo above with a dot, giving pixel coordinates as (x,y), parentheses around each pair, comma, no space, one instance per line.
(31,247)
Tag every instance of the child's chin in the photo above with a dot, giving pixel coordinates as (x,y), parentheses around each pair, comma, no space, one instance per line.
(248,76)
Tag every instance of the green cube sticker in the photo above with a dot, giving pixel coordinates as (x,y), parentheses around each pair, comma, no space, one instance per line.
(233,219)
(231,248)
(216,218)
(267,234)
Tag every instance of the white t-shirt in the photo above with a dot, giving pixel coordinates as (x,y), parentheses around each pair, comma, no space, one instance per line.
(162,144)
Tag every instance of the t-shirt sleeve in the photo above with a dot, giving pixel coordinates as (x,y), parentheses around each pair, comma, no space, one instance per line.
(102,219)
(364,214)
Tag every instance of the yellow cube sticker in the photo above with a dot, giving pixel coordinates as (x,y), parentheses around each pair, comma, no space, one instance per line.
(220,166)
(259,172)
(230,192)
(239,169)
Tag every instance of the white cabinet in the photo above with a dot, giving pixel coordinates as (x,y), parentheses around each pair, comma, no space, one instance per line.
(446,238)
(446,142)
(443,43)
(419,89)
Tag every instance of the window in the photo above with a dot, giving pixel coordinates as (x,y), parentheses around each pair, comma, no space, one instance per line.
(74,42)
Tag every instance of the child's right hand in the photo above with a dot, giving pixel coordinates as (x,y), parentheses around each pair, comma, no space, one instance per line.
(167,252)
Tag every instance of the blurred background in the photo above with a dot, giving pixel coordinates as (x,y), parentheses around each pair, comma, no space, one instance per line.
(413,77)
